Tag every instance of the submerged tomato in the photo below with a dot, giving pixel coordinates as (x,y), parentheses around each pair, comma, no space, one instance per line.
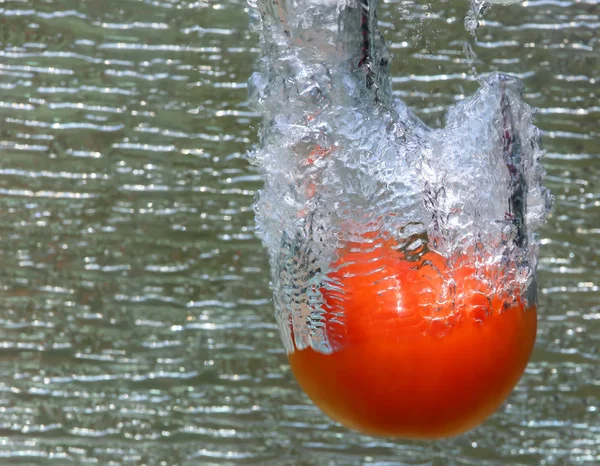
(411,360)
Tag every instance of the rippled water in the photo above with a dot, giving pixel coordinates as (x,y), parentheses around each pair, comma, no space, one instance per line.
(136,324)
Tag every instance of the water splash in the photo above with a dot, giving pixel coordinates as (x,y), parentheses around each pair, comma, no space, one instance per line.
(345,163)
(476,11)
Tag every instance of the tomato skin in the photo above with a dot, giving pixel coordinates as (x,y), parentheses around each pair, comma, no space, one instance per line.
(406,365)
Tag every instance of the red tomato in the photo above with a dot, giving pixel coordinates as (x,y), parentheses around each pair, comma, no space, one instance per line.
(412,360)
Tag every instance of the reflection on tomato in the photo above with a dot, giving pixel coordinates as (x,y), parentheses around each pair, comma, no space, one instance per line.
(409,361)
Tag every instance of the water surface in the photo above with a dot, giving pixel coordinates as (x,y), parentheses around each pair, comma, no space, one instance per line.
(136,325)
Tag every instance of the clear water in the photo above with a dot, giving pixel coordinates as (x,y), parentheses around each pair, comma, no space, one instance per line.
(136,322)
(344,162)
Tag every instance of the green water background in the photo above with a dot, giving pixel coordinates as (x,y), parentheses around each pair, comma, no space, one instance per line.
(136,325)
